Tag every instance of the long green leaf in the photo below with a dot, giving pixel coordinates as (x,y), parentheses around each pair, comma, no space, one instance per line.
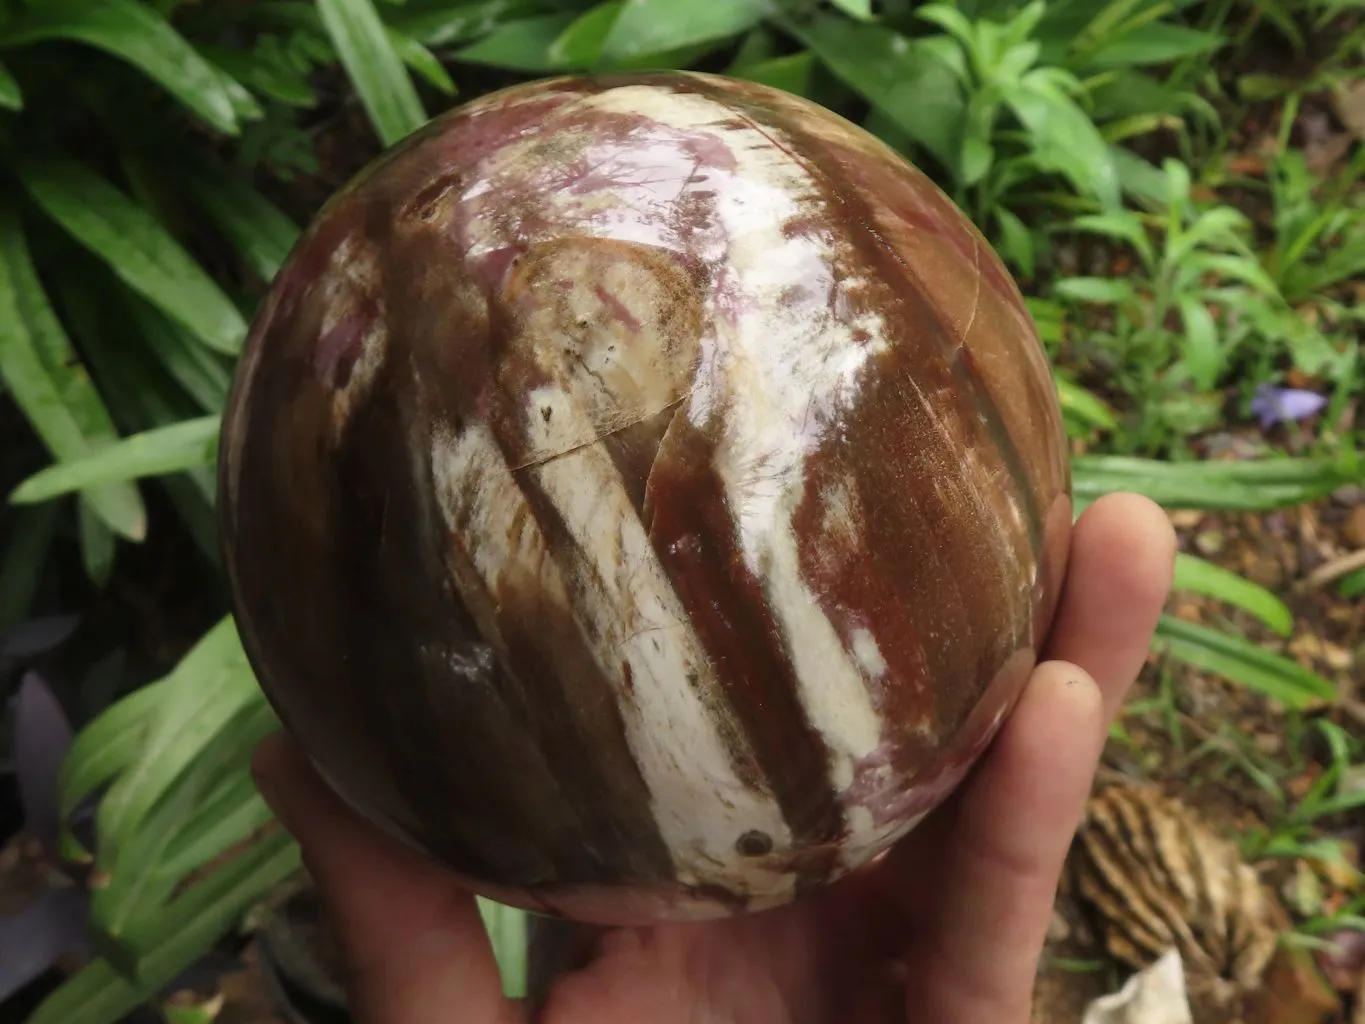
(99,546)
(1155,43)
(11,98)
(280,80)
(860,9)
(374,66)
(1242,662)
(172,449)
(34,352)
(177,936)
(136,33)
(791,73)
(107,745)
(28,534)
(907,80)
(524,45)
(422,61)
(506,928)
(258,229)
(95,304)
(580,45)
(205,375)
(1063,137)
(1201,577)
(143,874)
(132,242)
(1084,406)
(653,26)
(445,26)
(1238,486)
(230,814)
(211,685)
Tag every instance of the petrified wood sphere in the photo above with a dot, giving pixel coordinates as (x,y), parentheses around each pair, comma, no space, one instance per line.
(646,494)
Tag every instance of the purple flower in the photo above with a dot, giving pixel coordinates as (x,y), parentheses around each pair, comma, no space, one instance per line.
(1282,405)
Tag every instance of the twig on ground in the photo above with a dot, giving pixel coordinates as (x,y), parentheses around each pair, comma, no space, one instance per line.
(1333,570)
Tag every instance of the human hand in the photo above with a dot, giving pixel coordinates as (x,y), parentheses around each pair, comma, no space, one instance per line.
(947,927)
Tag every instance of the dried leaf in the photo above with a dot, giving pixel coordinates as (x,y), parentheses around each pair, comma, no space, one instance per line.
(1158,878)
(42,736)
(1342,958)
(1349,101)
(1294,991)
(1155,995)
(32,940)
(37,636)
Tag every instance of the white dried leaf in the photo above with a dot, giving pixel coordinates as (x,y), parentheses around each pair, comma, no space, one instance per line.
(1154,995)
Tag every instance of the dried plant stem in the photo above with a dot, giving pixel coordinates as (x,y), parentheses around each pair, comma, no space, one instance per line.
(1334,570)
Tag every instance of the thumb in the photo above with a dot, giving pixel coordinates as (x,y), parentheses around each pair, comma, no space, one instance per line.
(412,937)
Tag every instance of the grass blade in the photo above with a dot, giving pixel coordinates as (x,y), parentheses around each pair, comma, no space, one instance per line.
(32,347)
(1242,662)
(374,66)
(1201,577)
(132,242)
(136,33)
(158,452)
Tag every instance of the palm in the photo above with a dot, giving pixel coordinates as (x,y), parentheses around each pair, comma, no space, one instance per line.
(831,958)
(947,927)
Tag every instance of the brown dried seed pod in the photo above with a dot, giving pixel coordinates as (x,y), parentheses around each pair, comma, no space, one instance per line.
(1158,877)
(647,494)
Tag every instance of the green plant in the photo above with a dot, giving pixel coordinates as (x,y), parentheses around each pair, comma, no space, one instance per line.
(1294,831)
(1201,302)
(1319,227)
(1010,98)
(125,293)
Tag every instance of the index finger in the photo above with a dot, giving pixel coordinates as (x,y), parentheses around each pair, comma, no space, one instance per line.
(1121,565)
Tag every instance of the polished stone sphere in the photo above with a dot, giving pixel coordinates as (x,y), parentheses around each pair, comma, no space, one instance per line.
(645,494)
